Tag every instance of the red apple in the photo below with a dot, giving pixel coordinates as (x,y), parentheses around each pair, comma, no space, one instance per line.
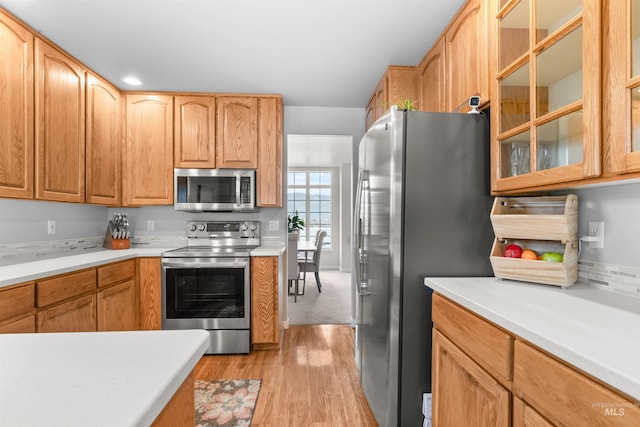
(513,251)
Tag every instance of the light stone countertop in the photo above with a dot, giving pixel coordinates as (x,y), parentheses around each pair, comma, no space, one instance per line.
(93,378)
(593,329)
(40,268)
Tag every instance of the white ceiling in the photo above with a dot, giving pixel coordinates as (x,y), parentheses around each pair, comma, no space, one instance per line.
(327,53)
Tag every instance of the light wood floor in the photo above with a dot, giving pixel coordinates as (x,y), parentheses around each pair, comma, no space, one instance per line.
(311,381)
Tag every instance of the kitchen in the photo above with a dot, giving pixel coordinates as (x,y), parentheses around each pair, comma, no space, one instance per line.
(24,222)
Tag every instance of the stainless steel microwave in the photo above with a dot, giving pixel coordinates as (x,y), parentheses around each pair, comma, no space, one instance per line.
(214,190)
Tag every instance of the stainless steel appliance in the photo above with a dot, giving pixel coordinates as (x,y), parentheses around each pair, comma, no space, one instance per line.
(206,285)
(211,190)
(422,209)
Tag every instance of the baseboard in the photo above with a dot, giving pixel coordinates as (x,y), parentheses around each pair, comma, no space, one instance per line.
(285,324)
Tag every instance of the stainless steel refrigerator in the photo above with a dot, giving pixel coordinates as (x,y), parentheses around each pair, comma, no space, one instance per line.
(422,209)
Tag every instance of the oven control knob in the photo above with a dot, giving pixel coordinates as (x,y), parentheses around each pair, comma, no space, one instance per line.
(252,227)
(243,227)
(201,227)
(193,227)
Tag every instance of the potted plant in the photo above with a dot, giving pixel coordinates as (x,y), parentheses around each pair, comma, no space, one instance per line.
(295,223)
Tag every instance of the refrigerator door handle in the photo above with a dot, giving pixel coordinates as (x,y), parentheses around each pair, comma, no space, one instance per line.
(359,252)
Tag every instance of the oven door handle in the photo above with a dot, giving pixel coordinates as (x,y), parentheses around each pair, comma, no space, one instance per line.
(207,263)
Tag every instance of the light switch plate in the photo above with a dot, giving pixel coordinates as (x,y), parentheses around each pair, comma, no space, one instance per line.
(51,227)
(274,225)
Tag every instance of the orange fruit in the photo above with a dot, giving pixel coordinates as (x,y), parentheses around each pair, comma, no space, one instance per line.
(529,254)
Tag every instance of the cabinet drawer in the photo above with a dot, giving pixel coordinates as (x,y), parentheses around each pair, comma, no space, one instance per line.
(16,301)
(60,288)
(488,345)
(566,396)
(114,273)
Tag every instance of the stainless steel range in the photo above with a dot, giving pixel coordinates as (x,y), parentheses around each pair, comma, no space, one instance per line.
(206,285)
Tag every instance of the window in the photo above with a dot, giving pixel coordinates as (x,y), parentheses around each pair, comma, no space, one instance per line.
(309,193)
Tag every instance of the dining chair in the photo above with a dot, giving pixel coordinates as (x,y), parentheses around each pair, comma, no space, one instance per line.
(312,264)
(293,269)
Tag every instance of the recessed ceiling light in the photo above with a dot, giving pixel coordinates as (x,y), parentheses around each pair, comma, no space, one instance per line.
(133,81)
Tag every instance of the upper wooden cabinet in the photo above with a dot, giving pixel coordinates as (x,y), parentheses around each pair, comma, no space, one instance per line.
(431,79)
(16,104)
(237,141)
(104,142)
(545,116)
(467,69)
(270,157)
(621,77)
(397,85)
(59,125)
(147,177)
(195,132)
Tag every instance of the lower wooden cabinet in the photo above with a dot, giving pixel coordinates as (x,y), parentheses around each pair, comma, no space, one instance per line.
(77,315)
(265,327)
(179,411)
(103,298)
(67,303)
(464,394)
(525,416)
(117,308)
(20,326)
(17,308)
(566,396)
(539,390)
(149,273)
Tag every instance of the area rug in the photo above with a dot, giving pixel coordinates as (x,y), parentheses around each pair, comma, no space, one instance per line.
(228,403)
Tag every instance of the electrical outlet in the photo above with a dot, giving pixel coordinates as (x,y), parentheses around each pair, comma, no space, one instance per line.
(274,225)
(596,228)
(151,225)
(51,227)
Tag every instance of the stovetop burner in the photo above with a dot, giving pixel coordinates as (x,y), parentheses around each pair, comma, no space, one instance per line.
(218,239)
(207,252)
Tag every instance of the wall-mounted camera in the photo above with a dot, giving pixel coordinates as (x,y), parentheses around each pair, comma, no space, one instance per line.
(474,103)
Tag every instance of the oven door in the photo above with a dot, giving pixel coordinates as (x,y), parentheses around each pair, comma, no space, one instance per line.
(205,293)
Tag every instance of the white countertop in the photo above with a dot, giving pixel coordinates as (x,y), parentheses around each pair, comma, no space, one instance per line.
(39,268)
(93,378)
(596,330)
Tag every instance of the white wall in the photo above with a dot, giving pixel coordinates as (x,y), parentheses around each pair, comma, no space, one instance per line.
(23,221)
(619,207)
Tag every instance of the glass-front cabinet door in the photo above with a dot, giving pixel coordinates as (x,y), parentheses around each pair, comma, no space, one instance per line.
(546,127)
(622,87)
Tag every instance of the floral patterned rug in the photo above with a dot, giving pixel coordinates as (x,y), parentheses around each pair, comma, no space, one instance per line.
(228,403)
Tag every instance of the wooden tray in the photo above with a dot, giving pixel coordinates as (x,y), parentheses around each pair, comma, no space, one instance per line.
(536,218)
(563,273)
